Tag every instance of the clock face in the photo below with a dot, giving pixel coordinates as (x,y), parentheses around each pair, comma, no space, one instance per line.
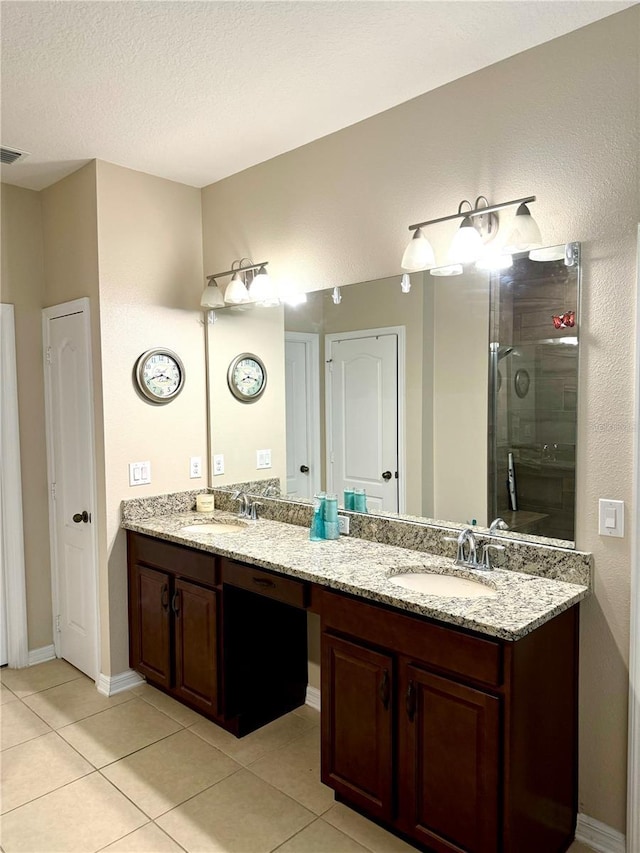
(159,375)
(247,377)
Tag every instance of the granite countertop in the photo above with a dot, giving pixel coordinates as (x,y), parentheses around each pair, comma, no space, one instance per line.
(522,601)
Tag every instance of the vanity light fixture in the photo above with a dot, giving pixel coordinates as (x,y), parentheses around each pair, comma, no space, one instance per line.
(336,296)
(405,283)
(239,290)
(479,226)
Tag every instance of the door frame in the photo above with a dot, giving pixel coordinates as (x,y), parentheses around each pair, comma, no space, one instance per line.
(76,306)
(401,333)
(312,362)
(12,568)
(633,773)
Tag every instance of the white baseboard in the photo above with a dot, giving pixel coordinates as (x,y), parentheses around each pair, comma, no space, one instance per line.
(313,697)
(108,685)
(599,836)
(41,655)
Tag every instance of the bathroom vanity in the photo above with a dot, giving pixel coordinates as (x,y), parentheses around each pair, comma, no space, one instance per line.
(453,722)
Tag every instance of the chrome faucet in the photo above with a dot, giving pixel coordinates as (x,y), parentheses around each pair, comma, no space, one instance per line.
(244,505)
(271,491)
(496,525)
(467,552)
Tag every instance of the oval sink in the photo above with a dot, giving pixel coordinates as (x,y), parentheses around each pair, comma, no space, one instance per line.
(213,527)
(446,586)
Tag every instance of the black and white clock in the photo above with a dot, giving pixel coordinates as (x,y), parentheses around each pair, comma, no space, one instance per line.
(247,377)
(159,375)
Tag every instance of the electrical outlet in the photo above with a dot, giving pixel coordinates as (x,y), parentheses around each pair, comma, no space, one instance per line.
(218,464)
(263,459)
(343,524)
(195,467)
(139,473)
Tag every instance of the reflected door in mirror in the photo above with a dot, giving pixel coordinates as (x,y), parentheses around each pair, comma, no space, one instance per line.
(302,414)
(362,416)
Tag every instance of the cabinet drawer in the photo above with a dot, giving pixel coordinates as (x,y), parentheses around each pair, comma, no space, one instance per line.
(445,649)
(176,559)
(280,588)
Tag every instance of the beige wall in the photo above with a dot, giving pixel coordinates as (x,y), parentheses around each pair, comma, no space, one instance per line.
(151,280)
(23,286)
(239,429)
(560,121)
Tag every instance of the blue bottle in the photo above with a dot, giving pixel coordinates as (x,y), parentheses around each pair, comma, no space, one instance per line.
(331,527)
(316,532)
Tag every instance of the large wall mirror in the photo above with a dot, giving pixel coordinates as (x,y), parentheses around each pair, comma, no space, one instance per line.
(454,401)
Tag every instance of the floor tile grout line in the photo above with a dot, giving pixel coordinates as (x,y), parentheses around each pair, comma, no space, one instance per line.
(296,833)
(50,687)
(46,794)
(197,794)
(80,719)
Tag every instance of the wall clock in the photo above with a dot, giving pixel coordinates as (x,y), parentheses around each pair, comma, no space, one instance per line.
(159,375)
(247,377)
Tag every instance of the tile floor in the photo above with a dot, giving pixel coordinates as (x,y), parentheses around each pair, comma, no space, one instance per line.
(140,773)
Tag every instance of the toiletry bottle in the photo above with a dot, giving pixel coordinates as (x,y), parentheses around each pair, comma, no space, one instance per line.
(360,500)
(348,498)
(316,532)
(331,526)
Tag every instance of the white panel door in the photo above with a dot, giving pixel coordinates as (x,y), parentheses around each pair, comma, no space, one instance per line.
(71,466)
(302,415)
(362,417)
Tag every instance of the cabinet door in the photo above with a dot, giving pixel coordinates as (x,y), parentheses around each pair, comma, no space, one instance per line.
(449,763)
(194,608)
(357,725)
(150,619)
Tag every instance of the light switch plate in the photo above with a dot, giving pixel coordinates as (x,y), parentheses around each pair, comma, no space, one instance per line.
(218,464)
(139,473)
(611,515)
(263,459)
(195,467)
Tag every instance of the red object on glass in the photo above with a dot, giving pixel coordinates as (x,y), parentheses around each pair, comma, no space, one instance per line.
(564,321)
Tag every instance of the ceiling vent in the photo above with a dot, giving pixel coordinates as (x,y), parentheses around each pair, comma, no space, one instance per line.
(11,155)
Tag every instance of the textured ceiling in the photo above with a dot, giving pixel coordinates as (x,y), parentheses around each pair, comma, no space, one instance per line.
(195,91)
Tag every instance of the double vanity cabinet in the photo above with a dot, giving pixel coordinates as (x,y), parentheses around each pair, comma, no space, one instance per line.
(460,742)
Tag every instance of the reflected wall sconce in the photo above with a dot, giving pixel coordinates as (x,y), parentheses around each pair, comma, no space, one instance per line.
(480,223)
(250,283)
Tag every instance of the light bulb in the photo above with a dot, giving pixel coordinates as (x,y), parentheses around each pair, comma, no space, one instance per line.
(524,234)
(211,297)
(419,253)
(405,283)
(467,245)
(236,292)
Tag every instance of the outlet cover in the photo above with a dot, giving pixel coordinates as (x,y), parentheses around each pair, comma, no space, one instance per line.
(195,467)
(343,524)
(263,459)
(218,464)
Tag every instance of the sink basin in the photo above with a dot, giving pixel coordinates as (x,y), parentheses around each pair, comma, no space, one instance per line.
(213,527)
(447,586)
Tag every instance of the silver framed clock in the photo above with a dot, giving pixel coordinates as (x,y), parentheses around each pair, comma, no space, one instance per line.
(247,377)
(159,375)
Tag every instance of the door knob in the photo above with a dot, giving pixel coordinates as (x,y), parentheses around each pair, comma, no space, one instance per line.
(304,469)
(82,516)
(386,475)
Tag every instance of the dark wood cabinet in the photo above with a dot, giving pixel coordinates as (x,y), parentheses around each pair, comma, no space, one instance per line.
(357,724)
(150,624)
(477,750)
(225,638)
(196,652)
(173,621)
(449,755)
